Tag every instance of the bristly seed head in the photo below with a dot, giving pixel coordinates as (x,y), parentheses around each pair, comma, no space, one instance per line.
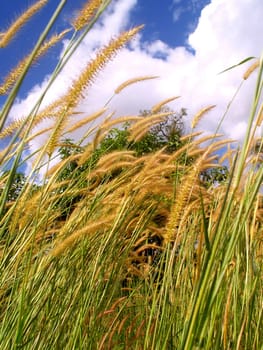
(86,13)
(90,72)
(200,114)
(10,33)
(250,70)
(12,77)
(132,81)
(157,108)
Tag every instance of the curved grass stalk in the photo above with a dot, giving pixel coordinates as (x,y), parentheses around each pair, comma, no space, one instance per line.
(13,94)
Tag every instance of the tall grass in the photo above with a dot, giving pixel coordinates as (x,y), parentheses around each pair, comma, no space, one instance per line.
(146,259)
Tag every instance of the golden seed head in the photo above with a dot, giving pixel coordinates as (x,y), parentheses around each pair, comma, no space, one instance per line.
(89,229)
(139,129)
(12,77)
(86,13)
(157,108)
(200,114)
(10,33)
(88,75)
(85,121)
(51,42)
(250,70)
(132,81)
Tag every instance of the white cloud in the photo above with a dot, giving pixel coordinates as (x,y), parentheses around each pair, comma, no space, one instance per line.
(227,32)
(228,29)
(156,48)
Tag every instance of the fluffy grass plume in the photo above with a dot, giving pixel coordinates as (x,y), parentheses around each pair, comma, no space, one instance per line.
(103,248)
(87,13)
(132,81)
(12,77)
(199,115)
(14,28)
(89,73)
(159,105)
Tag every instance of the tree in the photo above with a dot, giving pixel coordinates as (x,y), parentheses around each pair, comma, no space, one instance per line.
(167,134)
(164,134)
(15,189)
(214,176)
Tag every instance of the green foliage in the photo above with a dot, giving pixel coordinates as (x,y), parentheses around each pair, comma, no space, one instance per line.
(16,187)
(166,134)
(214,176)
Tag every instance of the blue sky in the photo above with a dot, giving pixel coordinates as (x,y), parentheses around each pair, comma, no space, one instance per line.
(185,42)
(170,23)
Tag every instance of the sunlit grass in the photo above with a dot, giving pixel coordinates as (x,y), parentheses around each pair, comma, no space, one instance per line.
(129,252)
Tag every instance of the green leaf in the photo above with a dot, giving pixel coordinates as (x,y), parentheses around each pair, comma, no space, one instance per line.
(238,64)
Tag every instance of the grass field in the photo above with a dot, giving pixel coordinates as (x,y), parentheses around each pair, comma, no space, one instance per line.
(146,259)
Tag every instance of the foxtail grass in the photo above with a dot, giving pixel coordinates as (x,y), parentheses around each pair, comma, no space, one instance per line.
(116,250)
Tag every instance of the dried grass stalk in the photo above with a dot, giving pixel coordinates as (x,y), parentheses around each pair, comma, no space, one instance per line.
(55,169)
(139,129)
(189,137)
(38,133)
(133,81)
(89,229)
(207,138)
(10,33)
(108,124)
(185,191)
(56,134)
(251,69)
(85,121)
(87,76)
(156,108)
(200,114)
(259,118)
(48,112)
(87,13)
(12,77)
(116,156)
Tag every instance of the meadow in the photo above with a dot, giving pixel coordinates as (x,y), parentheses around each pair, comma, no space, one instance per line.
(116,247)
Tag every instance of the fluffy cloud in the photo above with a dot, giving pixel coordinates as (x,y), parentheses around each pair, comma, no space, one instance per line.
(188,6)
(227,32)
